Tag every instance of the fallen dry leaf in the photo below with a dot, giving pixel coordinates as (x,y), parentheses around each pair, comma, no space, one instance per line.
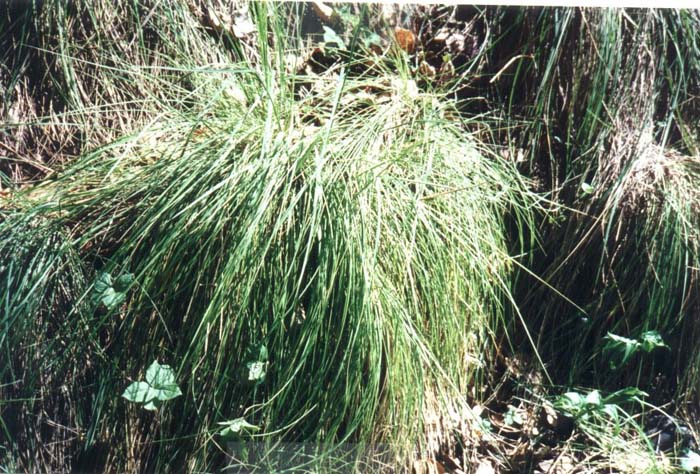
(406,39)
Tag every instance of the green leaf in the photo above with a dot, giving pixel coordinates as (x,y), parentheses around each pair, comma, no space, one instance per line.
(372,39)
(162,380)
(123,283)
(103,282)
(587,188)
(625,395)
(574,404)
(104,292)
(330,37)
(572,398)
(159,386)
(651,340)
(112,299)
(237,427)
(512,417)
(160,375)
(152,405)
(167,392)
(691,461)
(593,398)
(256,371)
(622,348)
(611,411)
(138,392)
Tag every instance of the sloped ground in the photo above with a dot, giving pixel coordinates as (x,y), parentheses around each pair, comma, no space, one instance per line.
(535,321)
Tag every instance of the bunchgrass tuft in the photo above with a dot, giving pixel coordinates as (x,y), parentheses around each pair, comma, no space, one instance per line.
(354,230)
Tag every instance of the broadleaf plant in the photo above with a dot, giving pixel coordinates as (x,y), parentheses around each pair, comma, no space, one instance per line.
(110,293)
(160,386)
(622,349)
(583,407)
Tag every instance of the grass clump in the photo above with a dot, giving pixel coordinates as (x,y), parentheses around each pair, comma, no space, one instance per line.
(358,239)
(617,166)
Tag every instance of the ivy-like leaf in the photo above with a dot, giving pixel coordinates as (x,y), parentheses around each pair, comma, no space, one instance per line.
(611,411)
(152,405)
(112,299)
(138,392)
(593,398)
(570,399)
(621,349)
(160,375)
(111,294)
(587,188)
(103,282)
(512,417)
(159,386)
(167,393)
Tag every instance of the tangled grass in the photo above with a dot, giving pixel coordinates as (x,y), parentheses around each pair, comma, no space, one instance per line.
(331,255)
(617,164)
(361,238)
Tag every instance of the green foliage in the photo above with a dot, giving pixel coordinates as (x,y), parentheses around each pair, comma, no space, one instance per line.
(46,341)
(257,364)
(358,222)
(108,293)
(622,249)
(159,386)
(366,239)
(620,349)
(235,429)
(586,408)
(512,417)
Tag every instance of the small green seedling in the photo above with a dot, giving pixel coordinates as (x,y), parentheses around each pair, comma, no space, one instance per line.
(512,417)
(110,293)
(159,387)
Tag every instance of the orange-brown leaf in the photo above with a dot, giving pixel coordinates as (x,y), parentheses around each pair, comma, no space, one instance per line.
(406,39)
